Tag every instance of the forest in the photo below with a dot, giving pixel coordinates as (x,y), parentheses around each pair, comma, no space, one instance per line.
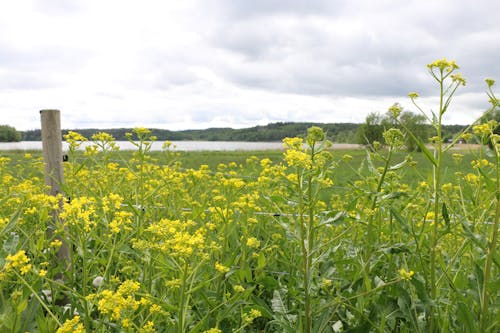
(336,132)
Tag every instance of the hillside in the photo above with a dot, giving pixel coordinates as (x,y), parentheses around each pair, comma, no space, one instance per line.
(336,132)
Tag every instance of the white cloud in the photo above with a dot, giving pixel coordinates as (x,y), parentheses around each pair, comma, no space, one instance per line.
(198,64)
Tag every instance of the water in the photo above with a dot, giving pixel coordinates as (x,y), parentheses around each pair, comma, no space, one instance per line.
(176,145)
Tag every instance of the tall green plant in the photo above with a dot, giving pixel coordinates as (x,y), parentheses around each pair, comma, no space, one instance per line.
(445,73)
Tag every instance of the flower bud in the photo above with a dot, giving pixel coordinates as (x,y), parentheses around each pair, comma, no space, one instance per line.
(98,281)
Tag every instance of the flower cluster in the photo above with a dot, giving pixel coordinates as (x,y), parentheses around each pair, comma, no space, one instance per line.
(119,304)
(18,262)
(180,239)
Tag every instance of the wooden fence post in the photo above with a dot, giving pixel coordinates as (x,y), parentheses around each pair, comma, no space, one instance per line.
(54,174)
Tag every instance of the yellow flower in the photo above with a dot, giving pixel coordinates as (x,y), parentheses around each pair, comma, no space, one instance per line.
(447,187)
(489,82)
(253,242)
(148,328)
(238,288)
(221,268)
(18,261)
(480,163)
(293,143)
(56,243)
(405,275)
(3,221)
(347,157)
(298,158)
(249,317)
(71,326)
(471,178)
(395,110)
(443,65)
(458,157)
(467,136)
(458,79)
(430,216)
(325,283)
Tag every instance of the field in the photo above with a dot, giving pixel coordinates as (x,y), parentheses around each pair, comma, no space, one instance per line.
(246,242)
(308,239)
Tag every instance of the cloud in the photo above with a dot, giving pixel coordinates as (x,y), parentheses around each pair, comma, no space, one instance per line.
(190,64)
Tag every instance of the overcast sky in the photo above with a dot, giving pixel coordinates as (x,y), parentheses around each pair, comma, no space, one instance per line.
(182,64)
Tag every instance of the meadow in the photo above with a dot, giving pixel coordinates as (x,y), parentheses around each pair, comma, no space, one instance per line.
(307,239)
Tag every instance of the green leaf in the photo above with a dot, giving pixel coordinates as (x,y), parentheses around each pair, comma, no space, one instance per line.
(21,306)
(426,151)
(277,303)
(446,216)
(336,219)
(402,222)
(261,261)
(398,166)
(466,317)
(421,290)
(490,185)
(369,162)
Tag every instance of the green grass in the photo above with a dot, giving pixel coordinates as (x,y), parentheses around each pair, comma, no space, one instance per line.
(344,173)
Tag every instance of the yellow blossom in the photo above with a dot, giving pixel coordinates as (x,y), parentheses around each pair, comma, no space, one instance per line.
(447,187)
(443,65)
(471,178)
(253,242)
(406,275)
(221,268)
(490,82)
(56,243)
(238,288)
(325,283)
(18,261)
(149,327)
(249,317)
(42,272)
(71,326)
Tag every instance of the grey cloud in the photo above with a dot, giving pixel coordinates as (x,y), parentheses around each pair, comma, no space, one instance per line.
(247,9)
(38,68)
(386,56)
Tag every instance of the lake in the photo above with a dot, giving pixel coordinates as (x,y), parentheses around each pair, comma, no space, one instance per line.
(176,145)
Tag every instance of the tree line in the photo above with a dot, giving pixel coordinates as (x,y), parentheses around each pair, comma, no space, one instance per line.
(365,133)
(337,132)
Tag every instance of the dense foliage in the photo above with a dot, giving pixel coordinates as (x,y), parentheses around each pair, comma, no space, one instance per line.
(9,134)
(376,124)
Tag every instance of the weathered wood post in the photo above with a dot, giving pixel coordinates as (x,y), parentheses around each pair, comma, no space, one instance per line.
(54,174)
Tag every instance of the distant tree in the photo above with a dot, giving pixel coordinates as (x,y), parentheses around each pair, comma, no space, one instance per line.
(375,124)
(9,134)
(415,123)
(371,130)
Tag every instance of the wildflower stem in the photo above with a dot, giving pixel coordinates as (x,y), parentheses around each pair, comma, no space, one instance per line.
(309,248)
(436,175)
(35,294)
(183,299)
(491,248)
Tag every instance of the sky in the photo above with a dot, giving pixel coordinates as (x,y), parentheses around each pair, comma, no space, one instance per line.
(195,64)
